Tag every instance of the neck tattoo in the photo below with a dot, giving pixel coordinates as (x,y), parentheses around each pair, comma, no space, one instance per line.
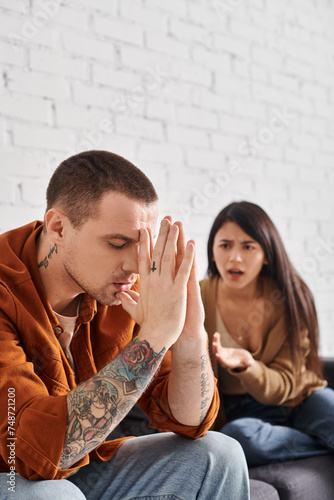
(45,262)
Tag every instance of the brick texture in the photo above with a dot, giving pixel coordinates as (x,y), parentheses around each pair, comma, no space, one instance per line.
(215,100)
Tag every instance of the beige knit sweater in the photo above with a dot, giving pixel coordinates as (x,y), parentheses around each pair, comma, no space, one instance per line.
(272,379)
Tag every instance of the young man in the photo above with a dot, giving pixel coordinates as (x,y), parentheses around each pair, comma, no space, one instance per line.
(79,346)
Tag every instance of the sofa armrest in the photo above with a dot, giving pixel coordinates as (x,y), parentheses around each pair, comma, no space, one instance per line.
(329,371)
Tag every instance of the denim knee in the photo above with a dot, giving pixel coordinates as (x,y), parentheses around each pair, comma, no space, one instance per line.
(56,490)
(40,490)
(223,453)
(226,447)
(242,428)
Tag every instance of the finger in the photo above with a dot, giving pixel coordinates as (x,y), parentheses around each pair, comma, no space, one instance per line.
(159,248)
(186,264)
(216,345)
(151,242)
(216,340)
(169,219)
(144,255)
(194,270)
(218,349)
(181,245)
(134,295)
(169,254)
(214,348)
(128,303)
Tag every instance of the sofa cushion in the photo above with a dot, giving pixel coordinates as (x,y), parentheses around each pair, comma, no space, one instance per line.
(302,479)
(259,490)
(329,371)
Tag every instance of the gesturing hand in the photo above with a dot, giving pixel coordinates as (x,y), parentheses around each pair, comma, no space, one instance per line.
(160,307)
(230,357)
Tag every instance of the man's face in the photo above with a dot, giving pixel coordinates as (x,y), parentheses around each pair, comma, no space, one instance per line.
(101,256)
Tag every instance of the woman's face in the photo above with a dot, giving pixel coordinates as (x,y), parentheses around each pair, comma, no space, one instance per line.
(238,257)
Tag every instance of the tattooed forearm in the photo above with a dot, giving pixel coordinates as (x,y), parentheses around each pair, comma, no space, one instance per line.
(45,261)
(205,388)
(95,407)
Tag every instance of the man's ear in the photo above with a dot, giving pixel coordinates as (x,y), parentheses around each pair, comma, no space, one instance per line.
(54,223)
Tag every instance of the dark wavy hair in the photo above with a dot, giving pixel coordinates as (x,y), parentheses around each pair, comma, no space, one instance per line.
(79,182)
(300,309)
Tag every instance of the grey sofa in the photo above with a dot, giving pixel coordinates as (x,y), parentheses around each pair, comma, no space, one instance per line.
(302,479)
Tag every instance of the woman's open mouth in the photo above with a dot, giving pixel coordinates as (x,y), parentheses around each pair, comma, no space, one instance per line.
(235,273)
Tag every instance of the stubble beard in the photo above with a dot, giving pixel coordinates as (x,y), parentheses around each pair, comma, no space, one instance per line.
(102,296)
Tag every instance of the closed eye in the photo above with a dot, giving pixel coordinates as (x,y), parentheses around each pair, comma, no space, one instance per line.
(118,247)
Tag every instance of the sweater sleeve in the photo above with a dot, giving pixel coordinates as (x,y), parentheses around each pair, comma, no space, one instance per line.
(274,380)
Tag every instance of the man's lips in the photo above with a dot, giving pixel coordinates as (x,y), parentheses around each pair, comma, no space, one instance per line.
(123,287)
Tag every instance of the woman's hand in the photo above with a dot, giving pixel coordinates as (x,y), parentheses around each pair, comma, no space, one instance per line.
(230,357)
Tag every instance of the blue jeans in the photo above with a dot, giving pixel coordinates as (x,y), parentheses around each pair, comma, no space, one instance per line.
(158,466)
(277,433)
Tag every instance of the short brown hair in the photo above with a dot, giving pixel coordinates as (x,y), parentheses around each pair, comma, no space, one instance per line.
(79,182)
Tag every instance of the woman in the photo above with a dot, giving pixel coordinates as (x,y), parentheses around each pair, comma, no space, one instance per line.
(263,330)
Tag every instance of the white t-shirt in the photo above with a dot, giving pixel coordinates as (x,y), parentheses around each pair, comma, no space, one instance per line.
(65,338)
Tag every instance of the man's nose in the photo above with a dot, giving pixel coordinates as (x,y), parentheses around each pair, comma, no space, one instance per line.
(130,261)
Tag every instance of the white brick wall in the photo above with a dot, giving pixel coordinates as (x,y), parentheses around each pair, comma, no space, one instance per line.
(215,100)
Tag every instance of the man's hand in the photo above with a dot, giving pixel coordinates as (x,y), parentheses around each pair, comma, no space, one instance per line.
(229,357)
(170,313)
(194,322)
(191,381)
(160,307)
